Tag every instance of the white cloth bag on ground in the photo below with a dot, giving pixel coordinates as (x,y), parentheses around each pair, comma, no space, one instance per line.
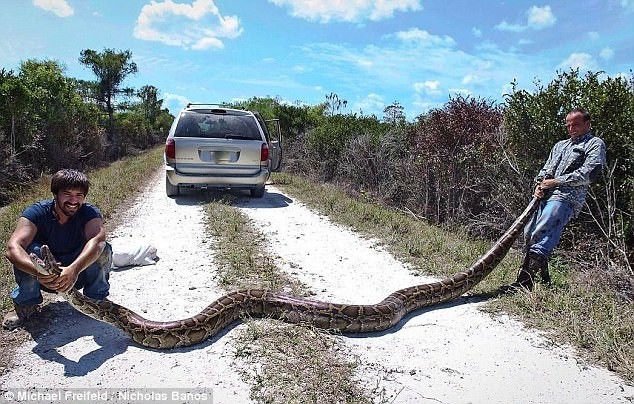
(127,253)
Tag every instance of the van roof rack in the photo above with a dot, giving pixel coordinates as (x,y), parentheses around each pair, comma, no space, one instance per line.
(210,104)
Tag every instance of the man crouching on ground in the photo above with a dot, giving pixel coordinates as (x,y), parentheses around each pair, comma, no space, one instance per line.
(74,232)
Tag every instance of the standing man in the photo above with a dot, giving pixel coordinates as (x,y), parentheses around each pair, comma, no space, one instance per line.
(74,232)
(562,185)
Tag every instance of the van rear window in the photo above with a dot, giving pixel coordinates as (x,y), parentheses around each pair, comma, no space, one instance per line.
(212,125)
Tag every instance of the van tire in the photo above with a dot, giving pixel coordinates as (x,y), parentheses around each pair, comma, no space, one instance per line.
(170,189)
(257,192)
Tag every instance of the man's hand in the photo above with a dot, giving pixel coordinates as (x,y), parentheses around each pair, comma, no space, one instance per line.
(59,283)
(49,281)
(66,279)
(549,183)
(540,189)
(63,278)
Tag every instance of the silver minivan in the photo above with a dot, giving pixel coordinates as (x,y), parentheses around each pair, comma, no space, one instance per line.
(211,146)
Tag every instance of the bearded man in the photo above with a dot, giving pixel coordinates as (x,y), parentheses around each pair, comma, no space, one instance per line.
(75,234)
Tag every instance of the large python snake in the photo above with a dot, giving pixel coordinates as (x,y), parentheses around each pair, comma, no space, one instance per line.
(349,318)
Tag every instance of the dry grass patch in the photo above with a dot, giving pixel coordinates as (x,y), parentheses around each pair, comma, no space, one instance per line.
(296,364)
(284,363)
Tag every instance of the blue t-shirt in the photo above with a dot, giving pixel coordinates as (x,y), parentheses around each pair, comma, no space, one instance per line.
(65,240)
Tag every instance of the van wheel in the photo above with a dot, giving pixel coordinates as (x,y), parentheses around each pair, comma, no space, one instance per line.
(257,192)
(170,189)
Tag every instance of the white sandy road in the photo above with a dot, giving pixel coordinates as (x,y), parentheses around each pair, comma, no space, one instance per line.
(449,354)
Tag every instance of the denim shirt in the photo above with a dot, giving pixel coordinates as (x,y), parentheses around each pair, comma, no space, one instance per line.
(575,164)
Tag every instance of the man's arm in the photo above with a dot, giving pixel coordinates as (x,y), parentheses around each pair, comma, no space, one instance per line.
(20,239)
(95,243)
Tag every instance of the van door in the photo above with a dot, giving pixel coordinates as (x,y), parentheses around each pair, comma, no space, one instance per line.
(275,143)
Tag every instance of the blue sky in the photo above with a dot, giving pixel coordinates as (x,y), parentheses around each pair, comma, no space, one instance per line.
(370,53)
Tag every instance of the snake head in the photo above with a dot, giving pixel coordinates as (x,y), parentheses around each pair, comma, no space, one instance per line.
(47,265)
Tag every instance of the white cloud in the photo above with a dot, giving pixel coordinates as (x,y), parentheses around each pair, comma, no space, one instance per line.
(364,63)
(58,7)
(423,106)
(541,17)
(473,78)
(423,67)
(537,18)
(606,53)
(196,26)
(429,87)
(507,88)
(593,35)
(581,61)
(465,92)
(301,69)
(175,102)
(424,37)
(628,5)
(477,32)
(505,26)
(206,43)
(350,11)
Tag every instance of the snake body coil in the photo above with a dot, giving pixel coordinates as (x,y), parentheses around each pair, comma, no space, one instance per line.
(234,305)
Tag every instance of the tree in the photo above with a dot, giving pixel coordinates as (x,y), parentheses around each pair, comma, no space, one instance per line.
(335,104)
(394,114)
(150,104)
(455,148)
(13,97)
(111,68)
(60,129)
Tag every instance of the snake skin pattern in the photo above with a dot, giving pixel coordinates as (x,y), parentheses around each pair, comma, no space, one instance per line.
(347,318)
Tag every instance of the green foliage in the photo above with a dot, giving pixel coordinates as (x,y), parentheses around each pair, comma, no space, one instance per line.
(149,106)
(144,123)
(55,128)
(326,143)
(50,121)
(111,68)
(334,105)
(295,120)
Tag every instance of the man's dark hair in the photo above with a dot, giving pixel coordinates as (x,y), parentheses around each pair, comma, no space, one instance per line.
(586,114)
(69,179)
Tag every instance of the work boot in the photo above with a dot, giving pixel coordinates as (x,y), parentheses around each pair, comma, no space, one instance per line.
(526,277)
(16,317)
(543,272)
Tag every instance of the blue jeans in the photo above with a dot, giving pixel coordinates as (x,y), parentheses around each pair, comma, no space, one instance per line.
(93,280)
(543,231)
